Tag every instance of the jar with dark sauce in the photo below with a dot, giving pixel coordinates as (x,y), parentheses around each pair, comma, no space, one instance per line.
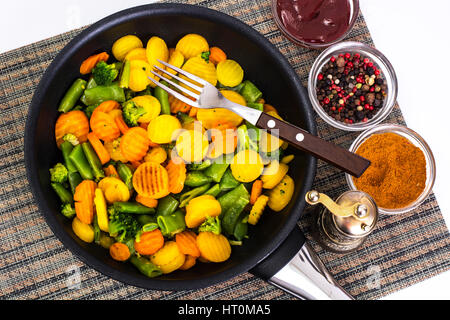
(315,23)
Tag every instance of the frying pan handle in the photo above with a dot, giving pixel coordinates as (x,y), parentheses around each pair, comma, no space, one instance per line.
(296,268)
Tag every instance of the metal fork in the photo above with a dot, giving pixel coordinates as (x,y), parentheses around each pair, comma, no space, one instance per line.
(207,96)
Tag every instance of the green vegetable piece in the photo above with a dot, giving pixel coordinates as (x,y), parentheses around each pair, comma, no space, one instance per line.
(172,224)
(72,95)
(230,217)
(145,266)
(97,231)
(105,240)
(79,160)
(228,181)
(250,92)
(93,161)
(199,166)
(228,199)
(124,81)
(125,174)
(166,206)
(74,180)
(132,208)
(64,195)
(196,179)
(91,83)
(104,74)
(146,92)
(205,55)
(235,89)
(58,173)
(89,110)
(68,210)
(147,222)
(255,105)
(241,229)
(188,196)
(214,190)
(131,113)
(122,226)
(163,98)
(212,224)
(217,169)
(184,118)
(244,141)
(98,94)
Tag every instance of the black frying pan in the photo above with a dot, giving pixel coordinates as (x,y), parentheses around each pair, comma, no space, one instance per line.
(262,63)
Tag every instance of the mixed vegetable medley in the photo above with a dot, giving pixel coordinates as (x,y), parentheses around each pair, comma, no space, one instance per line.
(155,181)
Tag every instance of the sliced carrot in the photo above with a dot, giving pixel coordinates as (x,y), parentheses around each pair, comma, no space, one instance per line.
(121,124)
(217,55)
(74,122)
(134,144)
(193,112)
(187,243)
(103,125)
(99,148)
(189,262)
(84,201)
(89,64)
(119,251)
(256,191)
(148,202)
(149,242)
(110,171)
(107,106)
(268,107)
(177,175)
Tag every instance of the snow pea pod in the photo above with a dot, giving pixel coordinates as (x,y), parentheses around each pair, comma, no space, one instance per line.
(230,217)
(199,166)
(228,199)
(148,222)
(145,266)
(74,180)
(72,95)
(98,94)
(172,224)
(80,162)
(216,171)
(214,190)
(188,196)
(241,228)
(250,92)
(166,206)
(228,182)
(196,179)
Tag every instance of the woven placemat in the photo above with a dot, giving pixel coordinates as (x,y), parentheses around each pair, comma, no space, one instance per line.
(403,249)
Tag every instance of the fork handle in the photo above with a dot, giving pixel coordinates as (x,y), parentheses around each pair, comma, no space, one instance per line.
(322,149)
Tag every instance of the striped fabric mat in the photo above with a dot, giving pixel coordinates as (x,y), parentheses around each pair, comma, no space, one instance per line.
(402,251)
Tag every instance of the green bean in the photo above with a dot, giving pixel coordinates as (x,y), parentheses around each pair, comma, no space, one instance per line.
(74,180)
(255,105)
(230,217)
(105,240)
(188,196)
(126,174)
(228,199)
(97,231)
(172,224)
(132,208)
(166,206)
(196,179)
(228,182)
(98,94)
(145,266)
(214,190)
(125,75)
(250,92)
(80,162)
(163,98)
(216,171)
(147,222)
(72,95)
(184,118)
(66,148)
(93,160)
(63,193)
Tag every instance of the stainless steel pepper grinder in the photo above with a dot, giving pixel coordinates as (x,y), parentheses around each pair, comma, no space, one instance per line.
(344,225)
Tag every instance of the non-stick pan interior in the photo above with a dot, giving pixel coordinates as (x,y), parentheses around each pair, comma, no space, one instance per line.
(262,64)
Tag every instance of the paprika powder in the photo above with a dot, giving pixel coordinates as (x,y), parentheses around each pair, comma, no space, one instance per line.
(397,174)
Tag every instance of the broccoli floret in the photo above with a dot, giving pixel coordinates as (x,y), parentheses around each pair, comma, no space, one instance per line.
(131,113)
(71,138)
(211,225)
(205,55)
(122,226)
(89,110)
(58,173)
(104,74)
(68,211)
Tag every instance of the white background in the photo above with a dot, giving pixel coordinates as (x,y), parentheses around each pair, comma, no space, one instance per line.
(413,34)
